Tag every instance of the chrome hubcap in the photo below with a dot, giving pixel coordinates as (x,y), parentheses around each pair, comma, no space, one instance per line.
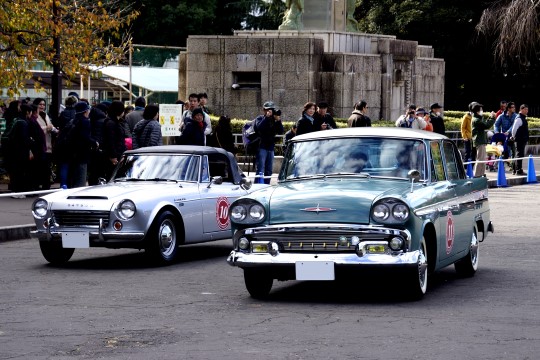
(422,268)
(167,240)
(474,251)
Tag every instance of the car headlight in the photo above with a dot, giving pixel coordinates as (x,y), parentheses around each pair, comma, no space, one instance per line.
(39,208)
(247,212)
(390,211)
(126,209)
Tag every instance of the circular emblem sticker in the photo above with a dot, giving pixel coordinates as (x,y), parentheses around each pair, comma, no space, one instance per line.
(449,232)
(222,212)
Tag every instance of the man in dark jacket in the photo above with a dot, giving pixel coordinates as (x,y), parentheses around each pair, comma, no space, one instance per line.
(436,119)
(67,114)
(82,146)
(268,127)
(479,137)
(520,134)
(323,117)
(114,135)
(96,168)
(136,115)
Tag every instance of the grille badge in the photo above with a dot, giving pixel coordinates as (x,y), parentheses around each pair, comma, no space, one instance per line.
(318,209)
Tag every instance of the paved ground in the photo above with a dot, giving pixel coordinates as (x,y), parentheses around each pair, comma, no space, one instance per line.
(110,304)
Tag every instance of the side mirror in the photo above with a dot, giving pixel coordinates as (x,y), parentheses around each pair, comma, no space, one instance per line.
(413,175)
(245,183)
(218,180)
(102,181)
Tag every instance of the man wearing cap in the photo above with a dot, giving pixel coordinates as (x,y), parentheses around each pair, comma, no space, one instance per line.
(322,116)
(268,127)
(436,119)
(83,143)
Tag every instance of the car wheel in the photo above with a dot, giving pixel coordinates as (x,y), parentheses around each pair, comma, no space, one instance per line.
(163,239)
(258,284)
(54,253)
(467,266)
(418,276)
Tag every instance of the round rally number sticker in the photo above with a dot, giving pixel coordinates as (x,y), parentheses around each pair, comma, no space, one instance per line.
(222,213)
(449,232)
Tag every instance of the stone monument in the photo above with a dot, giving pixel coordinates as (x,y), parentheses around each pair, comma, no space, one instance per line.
(317,55)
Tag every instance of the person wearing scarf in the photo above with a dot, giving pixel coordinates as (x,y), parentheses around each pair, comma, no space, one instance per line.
(306,123)
(193,133)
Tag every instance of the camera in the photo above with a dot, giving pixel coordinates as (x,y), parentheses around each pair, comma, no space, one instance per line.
(411,112)
(277,112)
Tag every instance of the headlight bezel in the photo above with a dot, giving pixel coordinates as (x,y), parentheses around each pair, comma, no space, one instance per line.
(253,212)
(42,211)
(398,211)
(126,209)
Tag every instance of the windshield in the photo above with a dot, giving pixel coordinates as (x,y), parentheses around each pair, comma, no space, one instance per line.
(354,156)
(158,167)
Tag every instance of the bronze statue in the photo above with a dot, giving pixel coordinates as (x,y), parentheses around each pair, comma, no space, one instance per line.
(293,16)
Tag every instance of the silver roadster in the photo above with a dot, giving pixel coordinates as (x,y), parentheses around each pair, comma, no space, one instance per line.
(157,199)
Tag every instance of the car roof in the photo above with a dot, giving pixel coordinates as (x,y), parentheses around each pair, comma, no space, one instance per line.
(179,149)
(394,132)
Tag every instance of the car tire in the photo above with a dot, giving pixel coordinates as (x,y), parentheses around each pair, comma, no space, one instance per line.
(258,283)
(417,278)
(54,253)
(467,266)
(162,241)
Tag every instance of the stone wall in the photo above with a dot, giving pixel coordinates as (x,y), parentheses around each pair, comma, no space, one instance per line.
(294,67)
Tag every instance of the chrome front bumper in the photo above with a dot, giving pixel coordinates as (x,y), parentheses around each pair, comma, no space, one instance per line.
(240,259)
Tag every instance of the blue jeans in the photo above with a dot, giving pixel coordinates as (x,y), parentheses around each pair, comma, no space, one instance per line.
(265,162)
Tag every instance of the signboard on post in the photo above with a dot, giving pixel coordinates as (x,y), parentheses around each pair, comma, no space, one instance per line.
(170,118)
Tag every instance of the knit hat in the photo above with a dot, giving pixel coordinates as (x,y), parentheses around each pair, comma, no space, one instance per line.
(81,107)
(73,93)
(197,111)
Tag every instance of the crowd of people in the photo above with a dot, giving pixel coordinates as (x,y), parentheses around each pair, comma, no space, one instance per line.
(507,127)
(86,142)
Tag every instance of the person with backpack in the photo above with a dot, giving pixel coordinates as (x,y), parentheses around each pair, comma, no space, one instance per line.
(147,132)
(358,117)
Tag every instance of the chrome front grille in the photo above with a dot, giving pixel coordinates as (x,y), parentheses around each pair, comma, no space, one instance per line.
(80,218)
(329,240)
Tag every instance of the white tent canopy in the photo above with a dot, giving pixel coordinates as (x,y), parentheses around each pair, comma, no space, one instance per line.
(149,78)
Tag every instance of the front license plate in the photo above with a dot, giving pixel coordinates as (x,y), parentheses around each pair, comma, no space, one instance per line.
(77,240)
(315,270)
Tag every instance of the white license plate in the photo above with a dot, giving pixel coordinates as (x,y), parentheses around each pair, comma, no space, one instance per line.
(77,240)
(315,270)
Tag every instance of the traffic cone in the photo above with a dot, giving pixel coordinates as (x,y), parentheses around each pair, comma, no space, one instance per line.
(531,173)
(260,178)
(501,177)
(470,173)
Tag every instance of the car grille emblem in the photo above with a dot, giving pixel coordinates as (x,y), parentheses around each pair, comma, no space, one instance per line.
(318,209)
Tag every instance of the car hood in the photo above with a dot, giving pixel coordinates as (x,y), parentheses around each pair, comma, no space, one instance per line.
(112,192)
(340,200)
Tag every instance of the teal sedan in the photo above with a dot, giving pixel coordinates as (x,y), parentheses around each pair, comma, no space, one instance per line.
(354,200)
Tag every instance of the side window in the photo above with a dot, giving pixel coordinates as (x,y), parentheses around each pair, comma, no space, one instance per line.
(205,177)
(451,169)
(218,165)
(437,168)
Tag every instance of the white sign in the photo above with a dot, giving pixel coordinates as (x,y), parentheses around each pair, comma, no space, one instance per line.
(170,119)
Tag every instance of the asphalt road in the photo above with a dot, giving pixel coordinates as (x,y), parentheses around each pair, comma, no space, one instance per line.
(107,304)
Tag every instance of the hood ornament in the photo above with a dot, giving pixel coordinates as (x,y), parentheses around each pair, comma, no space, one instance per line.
(318,209)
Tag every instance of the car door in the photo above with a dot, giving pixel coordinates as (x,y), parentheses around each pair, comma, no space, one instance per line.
(447,206)
(464,208)
(217,198)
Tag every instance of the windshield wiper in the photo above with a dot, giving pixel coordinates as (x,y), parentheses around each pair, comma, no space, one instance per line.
(128,179)
(160,179)
(362,174)
(314,176)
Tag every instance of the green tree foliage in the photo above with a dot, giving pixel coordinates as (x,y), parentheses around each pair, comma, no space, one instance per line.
(90,32)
